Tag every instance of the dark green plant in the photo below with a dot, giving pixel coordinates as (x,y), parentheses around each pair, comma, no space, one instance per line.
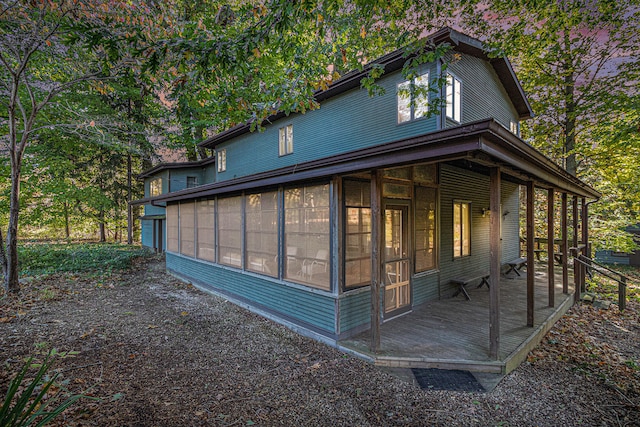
(29,407)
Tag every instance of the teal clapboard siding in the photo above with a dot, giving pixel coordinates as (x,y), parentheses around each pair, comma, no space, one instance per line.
(608,257)
(314,309)
(475,190)
(347,122)
(355,309)
(146,233)
(483,96)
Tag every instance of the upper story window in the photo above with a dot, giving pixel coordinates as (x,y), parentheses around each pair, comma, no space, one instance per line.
(155,187)
(413,98)
(285,140)
(222,160)
(192,181)
(454,98)
(514,127)
(461,229)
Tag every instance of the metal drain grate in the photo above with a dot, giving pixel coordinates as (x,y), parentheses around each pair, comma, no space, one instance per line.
(443,379)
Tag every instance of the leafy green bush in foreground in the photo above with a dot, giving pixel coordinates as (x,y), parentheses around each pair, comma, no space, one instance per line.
(46,258)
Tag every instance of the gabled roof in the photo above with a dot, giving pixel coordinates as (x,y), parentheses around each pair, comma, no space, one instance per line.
(395,61)
(178,165)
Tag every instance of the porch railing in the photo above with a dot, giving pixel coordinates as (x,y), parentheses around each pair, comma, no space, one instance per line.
(589,266)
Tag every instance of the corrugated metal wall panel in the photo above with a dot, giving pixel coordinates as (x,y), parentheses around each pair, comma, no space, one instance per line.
(458,184)
(426,288)
(146,233)
(483,96)
(347,122)
(292,303)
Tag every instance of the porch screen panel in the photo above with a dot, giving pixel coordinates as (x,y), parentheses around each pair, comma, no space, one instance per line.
(306,232)
(187,229)
(357,196)
(261,223)
(206,230)
(172,228)
(425,229)
(230,231)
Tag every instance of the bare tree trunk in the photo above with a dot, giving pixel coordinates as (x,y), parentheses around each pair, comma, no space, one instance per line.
(129,208)
(103,232)
(67,234)
(11,255)
(3,258)
(570,113)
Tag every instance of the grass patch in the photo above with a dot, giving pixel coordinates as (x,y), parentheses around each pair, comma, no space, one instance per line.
(48,258)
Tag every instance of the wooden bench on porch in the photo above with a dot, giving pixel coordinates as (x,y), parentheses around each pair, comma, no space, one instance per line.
(465,280)
(515,265)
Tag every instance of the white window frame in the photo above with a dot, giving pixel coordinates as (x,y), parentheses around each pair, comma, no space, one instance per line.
(514,127)
(462,250)
(453,92)
(155,187)
(285,140)
(418,108)
(221,159)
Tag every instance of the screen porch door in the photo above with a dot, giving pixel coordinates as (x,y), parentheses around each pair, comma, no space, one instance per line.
(397,284)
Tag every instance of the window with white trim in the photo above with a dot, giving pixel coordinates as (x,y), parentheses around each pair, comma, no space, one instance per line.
(454,98)
(222,160)
(413,98)
(285,140)
(461,229)
(155,187)
(514,127)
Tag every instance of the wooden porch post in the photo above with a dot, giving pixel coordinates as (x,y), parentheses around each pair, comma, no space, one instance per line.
(495,262)
(565,245)
(530,254)
(550,245)
(574,243)
(376,258)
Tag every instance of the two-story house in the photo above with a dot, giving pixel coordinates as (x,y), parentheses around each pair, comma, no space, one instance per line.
(345,218)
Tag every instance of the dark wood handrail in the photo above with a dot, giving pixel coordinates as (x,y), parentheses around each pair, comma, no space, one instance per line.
(622,280)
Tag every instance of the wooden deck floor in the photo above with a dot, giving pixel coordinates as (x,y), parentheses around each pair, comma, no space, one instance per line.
(453,333)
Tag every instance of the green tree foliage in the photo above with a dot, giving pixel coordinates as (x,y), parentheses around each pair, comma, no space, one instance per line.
(48,49)
(578,63)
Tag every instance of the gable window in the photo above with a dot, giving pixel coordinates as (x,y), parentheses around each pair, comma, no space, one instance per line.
(454,98)
(514,127)
(461,229)
(222,160)
(285,140)
(192,181)
(413,99)
(155,187)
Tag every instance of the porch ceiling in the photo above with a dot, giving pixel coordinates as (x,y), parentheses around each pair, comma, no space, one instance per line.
(482,142)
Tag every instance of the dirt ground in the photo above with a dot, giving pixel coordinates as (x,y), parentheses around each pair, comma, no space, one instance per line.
(158,352)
